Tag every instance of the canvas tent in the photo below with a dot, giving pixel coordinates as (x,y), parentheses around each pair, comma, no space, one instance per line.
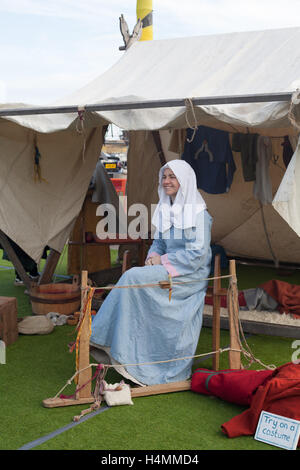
(245,82)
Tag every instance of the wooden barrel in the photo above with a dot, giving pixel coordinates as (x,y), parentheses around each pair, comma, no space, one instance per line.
(64,299)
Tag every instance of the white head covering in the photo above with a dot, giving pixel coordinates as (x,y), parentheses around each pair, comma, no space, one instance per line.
(187,204)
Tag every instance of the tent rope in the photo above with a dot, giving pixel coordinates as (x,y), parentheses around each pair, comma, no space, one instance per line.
(190,107)
(80,128)
(107,366)
(246,351)
(161,284)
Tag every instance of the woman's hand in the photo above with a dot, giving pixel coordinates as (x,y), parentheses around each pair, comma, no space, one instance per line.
(153,261)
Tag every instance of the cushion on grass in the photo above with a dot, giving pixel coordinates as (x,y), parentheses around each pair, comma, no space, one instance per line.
(232,385)
(35,325)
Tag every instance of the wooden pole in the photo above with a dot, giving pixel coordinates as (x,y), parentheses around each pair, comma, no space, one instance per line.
(49,268)
(84,378)
(216,313)
(149,390)
(14,259)
(234,356)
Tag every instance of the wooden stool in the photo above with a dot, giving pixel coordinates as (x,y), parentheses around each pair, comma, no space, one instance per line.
(8,320)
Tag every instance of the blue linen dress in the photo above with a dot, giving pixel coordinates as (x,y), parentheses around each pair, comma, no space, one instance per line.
(141,324)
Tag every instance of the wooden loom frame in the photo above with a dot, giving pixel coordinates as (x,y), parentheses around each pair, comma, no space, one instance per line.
(84,394)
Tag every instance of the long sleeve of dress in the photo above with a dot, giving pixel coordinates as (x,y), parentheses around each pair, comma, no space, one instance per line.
(158,247)
(188,259)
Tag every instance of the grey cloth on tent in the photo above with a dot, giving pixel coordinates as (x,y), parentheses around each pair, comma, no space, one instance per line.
(258,299)
(105,193)
(246,144)
(262,188)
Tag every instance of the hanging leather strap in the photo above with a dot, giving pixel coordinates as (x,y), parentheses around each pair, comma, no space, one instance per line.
(159,148)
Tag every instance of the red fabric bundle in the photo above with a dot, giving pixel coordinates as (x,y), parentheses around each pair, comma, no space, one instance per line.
(279,394)
(232,385)
(286,295)
(223,302)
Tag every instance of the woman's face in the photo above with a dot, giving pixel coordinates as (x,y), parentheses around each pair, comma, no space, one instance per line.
(170,183)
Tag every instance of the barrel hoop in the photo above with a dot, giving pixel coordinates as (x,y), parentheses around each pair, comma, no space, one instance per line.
(55,301)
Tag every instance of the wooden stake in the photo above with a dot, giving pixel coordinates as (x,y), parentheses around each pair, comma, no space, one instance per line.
(234,356)
(84,377)
(84,346)
(216,313)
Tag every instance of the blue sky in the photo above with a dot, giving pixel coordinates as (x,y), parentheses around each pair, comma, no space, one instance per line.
(49,48)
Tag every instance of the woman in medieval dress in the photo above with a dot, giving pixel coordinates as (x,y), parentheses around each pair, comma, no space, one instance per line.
(141,325)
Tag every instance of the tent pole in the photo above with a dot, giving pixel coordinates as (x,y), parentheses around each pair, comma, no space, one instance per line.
(216,324)
(210,100)
(49,268)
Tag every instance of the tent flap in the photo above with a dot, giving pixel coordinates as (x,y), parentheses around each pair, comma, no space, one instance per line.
(39,208)
(287,199)
(294,113)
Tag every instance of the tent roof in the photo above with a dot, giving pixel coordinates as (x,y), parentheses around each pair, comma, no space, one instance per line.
(247,63)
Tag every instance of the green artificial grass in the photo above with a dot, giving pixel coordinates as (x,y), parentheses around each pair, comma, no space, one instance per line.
(37,367)
(252,276)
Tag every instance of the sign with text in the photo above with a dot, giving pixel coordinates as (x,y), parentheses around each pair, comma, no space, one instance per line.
(278,430)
